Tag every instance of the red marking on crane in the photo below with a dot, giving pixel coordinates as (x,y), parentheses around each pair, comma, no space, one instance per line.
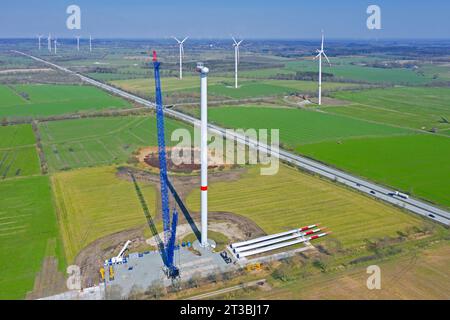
(154,56)
(204,188)
(314,237)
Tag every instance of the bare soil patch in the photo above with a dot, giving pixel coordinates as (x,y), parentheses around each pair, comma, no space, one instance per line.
(49,281)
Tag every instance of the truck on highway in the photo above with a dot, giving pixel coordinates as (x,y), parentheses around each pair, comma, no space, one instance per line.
(399,194)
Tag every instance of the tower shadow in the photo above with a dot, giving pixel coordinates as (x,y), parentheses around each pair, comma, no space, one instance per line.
(185,211)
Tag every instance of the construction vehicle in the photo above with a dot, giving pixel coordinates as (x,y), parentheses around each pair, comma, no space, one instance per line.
(254,267)
(111,273)
(119,258)
(102,273)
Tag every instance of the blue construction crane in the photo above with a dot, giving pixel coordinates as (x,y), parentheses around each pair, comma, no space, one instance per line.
(169,231)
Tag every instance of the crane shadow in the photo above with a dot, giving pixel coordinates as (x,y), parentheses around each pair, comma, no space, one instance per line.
(150,221)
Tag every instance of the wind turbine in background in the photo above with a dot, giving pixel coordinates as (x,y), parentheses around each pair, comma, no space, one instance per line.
(49,42)
(90,43)
(78,43)
(236,60)
(180,44)
(55,43)
(39,41)
(321,53)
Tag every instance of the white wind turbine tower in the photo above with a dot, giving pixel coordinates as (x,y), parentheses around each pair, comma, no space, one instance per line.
(78,43)
(90,43)
(180,44)
(319,55)
(49,42)
(55,43)
(236,60)
(39,41)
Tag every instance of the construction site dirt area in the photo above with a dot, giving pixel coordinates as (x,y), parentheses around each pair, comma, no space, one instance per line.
(149,157)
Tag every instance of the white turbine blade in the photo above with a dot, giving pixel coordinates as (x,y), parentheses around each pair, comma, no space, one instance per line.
(239,43)
(184,39)
(323,52)
(318,55)
(322,42)
(235,42)
(176,39)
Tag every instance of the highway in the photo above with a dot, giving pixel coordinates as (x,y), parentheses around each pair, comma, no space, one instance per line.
(362,185)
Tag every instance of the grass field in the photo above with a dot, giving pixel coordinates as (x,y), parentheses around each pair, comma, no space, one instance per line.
(408,107)
(224,87)
(250,89)
(147,86)
(18,155)
(417,163)
(299,127)
(93,202)
(88,142)
(9,98)
(47,100)
(418,276)
(292,199)
(343,69)
(28,232)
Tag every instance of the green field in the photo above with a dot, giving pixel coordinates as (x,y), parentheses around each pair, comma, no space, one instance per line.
(93,202)
(419,108)
(250,89)
(28,233)
(89,142)
(344,68)
(47,100)
(224,87)
(147,86)
(291,199)
(16,136)
(9,98)
(418,164)
(299,127)
(18,155)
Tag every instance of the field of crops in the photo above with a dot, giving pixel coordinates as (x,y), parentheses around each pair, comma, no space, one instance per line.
(224,87)
(9,98)
(18,155)
(299,127)
(418,164)
(89,142)
(419,108)
(292,199)
(345,69)
(93,202)
(46,100)
(28,232)
(147,86)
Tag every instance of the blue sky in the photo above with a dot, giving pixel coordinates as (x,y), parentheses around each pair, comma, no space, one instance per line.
(218,19)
